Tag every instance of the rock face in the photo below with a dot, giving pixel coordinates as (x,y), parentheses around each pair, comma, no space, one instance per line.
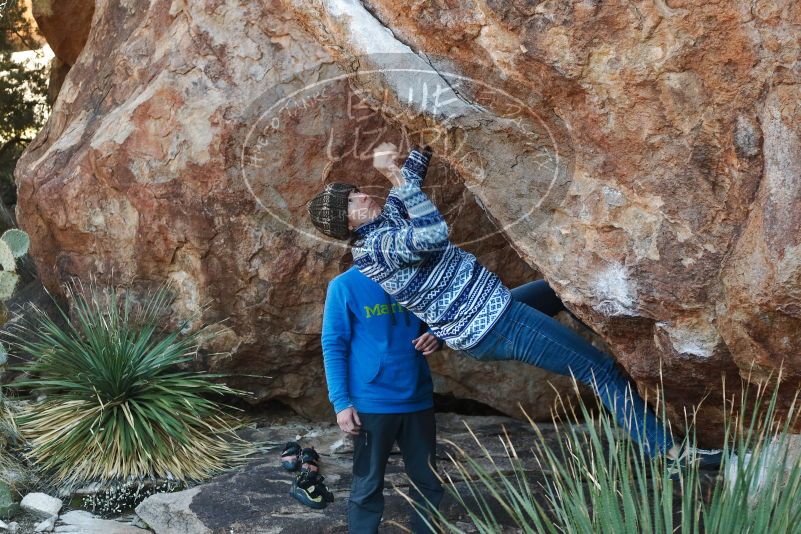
(66,24)
(643,158)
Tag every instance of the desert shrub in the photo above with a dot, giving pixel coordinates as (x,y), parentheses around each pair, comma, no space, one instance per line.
(593,479)
(113,401)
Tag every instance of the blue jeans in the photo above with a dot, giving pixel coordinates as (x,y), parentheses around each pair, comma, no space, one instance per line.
(539,295)
(528,335)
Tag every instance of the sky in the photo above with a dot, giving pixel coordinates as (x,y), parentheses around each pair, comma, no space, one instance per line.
(30,55)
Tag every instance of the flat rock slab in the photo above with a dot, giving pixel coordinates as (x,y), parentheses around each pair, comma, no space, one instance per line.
(79,521)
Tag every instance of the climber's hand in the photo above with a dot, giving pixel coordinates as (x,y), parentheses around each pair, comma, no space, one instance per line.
(348,420)
(427,343)
(384,157)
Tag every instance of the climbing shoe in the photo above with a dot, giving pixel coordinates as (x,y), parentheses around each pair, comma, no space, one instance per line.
(327,495)
(290,456)
(705,459)
(309,460)
(309,489)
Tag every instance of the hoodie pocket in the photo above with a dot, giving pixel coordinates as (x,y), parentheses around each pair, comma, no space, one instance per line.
(367,369)
(400,372)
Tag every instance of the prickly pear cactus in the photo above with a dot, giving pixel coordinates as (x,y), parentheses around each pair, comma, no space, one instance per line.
(17,240)
(14,244)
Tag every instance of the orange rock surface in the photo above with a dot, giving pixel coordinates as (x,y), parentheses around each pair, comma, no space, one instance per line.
(644,157)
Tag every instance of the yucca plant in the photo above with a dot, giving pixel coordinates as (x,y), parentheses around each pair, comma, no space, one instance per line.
(113,402)
(596,480)
(762,477)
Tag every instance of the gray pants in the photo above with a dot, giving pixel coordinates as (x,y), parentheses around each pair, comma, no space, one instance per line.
(415,433)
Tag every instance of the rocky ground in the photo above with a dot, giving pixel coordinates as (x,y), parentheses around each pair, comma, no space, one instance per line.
(254,498)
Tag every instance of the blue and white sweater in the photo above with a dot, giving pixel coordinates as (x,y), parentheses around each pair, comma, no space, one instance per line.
(406,250)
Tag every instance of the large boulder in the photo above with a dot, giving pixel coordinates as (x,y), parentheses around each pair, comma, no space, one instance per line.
(137,206)
(642,158)
(65,24)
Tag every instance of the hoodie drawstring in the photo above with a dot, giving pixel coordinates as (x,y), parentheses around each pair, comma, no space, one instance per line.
(391,311)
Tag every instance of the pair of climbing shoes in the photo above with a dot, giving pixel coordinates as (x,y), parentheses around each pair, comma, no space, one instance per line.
(294,458)
(308,487)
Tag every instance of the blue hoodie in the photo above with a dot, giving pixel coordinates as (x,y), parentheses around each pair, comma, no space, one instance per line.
(370,360)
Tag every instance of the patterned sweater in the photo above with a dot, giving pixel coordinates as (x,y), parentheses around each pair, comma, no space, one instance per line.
(406,250)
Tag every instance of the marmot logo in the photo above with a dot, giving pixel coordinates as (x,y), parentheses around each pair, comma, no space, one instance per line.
(383,309)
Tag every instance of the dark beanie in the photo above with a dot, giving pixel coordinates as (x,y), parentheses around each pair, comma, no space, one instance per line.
(329,210)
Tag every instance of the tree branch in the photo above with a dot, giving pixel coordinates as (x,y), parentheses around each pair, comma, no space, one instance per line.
(31,46)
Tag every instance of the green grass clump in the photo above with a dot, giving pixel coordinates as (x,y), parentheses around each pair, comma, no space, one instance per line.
(113,402)
(592,479)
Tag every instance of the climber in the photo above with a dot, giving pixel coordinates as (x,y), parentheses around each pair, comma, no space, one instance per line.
(379,384)
(404,246)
